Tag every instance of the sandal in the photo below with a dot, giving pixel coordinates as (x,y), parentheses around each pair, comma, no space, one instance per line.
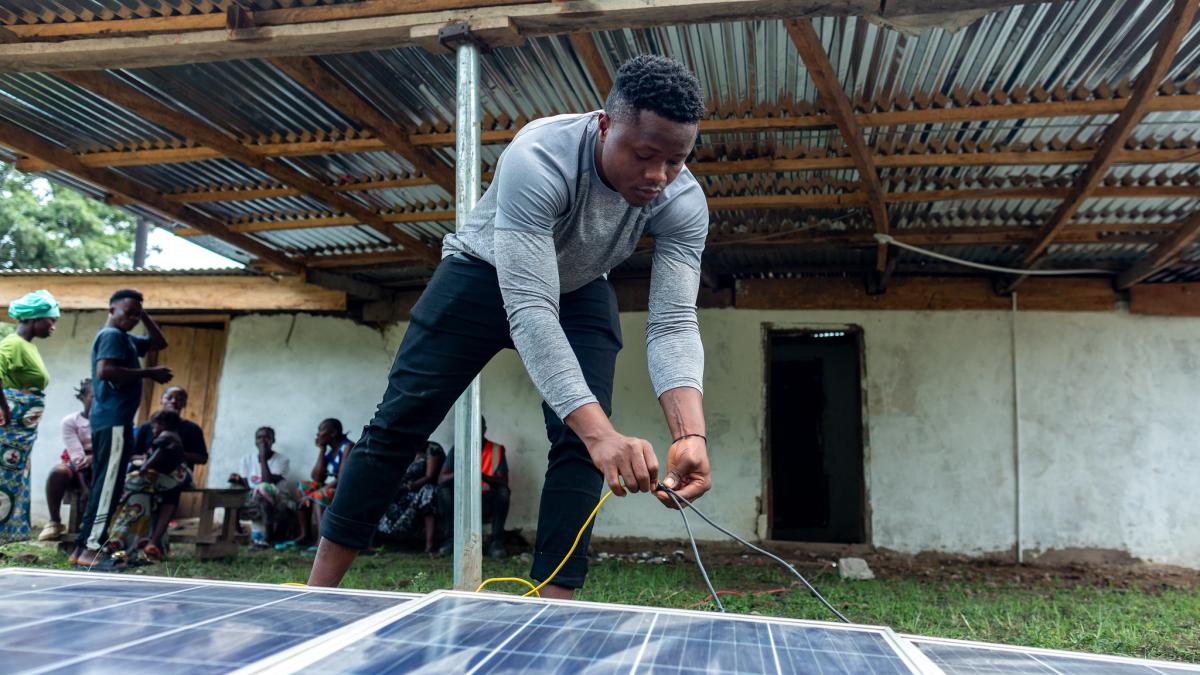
(153,553)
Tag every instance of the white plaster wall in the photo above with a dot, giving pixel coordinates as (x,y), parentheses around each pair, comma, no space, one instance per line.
(68,358)
(1108,427)
(328,367)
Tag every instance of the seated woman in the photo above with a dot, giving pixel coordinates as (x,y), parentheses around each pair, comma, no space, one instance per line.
(158,478)
(269,503)
(417,499)
(332,446)
(75,471)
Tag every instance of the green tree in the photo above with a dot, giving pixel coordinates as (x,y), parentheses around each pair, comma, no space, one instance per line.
(43,225)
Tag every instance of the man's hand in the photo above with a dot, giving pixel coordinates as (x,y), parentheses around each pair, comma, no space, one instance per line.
(687,471)
(235,478)
(84,463)
(625,458)
(161,375)
(5,413)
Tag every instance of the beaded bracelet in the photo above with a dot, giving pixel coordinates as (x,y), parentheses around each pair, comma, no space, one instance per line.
(691,436)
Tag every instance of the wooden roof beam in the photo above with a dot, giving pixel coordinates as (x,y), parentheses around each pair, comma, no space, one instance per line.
(235,193)
(30,144)
(1161,103)
(767,164)
(593,62)
(328,87)
(275,222)
(1173,29)
(1164,255)
(185,125)
(835,101)
(391,29)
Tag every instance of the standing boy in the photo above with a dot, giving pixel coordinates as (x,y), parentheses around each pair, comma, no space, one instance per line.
(117,376)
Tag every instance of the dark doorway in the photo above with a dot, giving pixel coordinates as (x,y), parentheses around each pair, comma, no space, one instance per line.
(815,451)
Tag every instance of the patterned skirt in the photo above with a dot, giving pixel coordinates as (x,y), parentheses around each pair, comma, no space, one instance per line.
(315,493)
(133,521)
(16,444)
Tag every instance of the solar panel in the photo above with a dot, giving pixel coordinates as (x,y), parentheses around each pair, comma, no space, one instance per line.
(957,657)
(87,622)
(469,633)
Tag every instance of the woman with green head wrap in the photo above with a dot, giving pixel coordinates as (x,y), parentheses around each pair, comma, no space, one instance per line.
(23,380)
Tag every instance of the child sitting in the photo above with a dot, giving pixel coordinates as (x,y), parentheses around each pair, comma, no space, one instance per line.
(161,472)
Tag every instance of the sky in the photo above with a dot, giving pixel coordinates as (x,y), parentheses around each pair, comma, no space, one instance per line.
(170,252)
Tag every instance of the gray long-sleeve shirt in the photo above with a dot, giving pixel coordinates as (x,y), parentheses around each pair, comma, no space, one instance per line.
(549,225)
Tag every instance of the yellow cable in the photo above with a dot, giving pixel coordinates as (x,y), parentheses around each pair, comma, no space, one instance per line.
(502,579)
(534,590)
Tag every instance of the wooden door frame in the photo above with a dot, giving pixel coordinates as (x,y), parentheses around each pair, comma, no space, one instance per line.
(770,330)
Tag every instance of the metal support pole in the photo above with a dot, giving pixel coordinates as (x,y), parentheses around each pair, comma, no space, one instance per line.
(1016,412)
(468,436)
(140,239)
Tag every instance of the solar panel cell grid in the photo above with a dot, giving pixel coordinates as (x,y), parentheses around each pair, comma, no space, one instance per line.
(496,635)
(967,658)
(99,623)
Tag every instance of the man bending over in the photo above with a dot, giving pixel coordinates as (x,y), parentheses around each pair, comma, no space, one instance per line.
(571,197)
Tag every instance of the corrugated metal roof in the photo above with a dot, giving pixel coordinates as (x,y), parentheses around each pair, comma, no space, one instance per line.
(749,68)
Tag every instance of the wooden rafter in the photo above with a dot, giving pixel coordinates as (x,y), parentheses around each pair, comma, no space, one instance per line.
(829,87)
(821,160)
(362,260)
(331,89)
(242,193)
(589,54)
(1163,255)
(25,142)
(145,154)
(254,192)
(1174,27)
(390,29)
(190,127)
(272,222)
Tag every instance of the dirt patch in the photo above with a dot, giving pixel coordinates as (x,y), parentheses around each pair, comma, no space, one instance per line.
(1053,569)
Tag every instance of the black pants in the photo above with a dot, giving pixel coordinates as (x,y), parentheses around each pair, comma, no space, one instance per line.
(456,327)
(494,504)
(111,449)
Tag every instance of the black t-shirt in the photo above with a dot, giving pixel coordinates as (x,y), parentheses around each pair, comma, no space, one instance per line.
(190,432)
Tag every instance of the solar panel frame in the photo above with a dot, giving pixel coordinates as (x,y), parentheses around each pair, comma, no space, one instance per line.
(300,657)
(25,571)
(1151,665)
(124,619)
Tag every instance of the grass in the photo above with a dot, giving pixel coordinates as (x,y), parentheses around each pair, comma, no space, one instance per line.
(1161,624)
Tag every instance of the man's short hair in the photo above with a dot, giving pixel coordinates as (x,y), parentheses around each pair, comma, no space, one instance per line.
(126,294)
(332,423)
(658,84)
(269,430)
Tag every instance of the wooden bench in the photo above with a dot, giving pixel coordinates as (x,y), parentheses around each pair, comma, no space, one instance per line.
(220,543)
(75,515)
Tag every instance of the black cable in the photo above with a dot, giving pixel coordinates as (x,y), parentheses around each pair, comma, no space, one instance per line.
(704,573)
(815,593)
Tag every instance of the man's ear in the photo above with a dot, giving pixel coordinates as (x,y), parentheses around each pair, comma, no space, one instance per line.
(605,123)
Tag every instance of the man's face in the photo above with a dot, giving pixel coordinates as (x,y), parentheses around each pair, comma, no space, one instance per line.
(174,398)
(262,439)
(125,314)
(640,156)
(44,328)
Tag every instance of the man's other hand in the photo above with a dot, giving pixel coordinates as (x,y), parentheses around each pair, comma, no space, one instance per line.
(687,470)
(160,375)
(625,458)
